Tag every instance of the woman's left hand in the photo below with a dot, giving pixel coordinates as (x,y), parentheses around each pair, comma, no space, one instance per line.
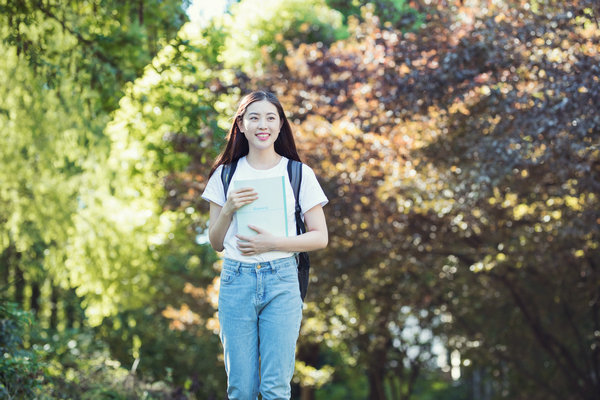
(253,245)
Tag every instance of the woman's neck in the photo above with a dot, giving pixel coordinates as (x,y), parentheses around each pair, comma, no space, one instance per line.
(263,159)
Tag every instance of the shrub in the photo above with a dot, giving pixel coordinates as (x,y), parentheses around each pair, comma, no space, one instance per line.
(19,367)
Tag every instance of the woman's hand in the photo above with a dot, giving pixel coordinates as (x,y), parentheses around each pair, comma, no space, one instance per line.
(314,238)
(239,198)
(220,217)
(253,245)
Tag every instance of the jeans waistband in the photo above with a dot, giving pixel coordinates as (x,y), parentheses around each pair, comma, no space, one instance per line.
(273,264)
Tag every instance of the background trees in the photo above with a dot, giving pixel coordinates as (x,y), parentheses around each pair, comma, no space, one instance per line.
(65,69)
(458,146)
(445,159)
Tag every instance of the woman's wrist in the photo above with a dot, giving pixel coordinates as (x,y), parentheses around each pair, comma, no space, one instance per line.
(276,244)
(227,211)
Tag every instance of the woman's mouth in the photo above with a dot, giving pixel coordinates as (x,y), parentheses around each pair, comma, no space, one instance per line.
(263,136)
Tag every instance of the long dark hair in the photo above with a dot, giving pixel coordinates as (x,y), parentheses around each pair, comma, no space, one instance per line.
(237,144)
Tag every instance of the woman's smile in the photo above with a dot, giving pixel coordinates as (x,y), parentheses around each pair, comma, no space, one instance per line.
(263,136)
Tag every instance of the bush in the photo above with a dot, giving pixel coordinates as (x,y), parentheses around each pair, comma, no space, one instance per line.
(78,365)
(19,367)
(66,365)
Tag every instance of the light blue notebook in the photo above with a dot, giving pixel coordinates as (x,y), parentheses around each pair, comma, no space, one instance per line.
(268,211)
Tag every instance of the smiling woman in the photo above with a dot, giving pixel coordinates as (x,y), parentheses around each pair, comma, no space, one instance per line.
(260,305)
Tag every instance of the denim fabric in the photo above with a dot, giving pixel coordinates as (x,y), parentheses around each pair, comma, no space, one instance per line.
(260,311)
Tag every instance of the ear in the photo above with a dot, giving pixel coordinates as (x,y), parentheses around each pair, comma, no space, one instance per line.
(238,122)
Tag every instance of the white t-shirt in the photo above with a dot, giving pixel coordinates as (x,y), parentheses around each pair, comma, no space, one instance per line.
(311,194)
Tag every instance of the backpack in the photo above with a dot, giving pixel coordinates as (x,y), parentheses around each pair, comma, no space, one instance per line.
(294,169)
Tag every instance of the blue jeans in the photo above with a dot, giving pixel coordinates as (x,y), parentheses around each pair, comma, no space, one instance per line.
(260,310)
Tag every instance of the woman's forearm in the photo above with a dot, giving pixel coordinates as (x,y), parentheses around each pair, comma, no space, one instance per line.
(222,216)
(308,241)
(315,238)
(220,222)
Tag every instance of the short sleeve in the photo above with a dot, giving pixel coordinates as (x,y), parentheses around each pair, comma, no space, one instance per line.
(214,188)
(311,193)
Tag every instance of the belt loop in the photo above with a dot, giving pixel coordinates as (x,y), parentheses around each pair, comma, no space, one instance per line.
(274,266)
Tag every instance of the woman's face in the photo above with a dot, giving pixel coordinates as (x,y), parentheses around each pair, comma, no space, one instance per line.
(261,125)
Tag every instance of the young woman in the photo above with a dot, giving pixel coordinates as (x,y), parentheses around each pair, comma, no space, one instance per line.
(260,307)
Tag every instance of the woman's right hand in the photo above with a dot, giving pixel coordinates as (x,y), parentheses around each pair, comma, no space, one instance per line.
(239,198)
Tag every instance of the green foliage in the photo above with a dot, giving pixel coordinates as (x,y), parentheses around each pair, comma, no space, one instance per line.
(39,129)
(398,13)
(65,65)
(434,386)
(260,32)
(185,358)
(169,118)
(78,364)
(100,46)
(84,206)
(347,383)
(19,367)
(74,364)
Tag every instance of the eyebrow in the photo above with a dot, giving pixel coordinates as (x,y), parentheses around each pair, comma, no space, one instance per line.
(255,113)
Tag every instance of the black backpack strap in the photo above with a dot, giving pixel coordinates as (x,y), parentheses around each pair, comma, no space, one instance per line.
(226,175)
(295,175)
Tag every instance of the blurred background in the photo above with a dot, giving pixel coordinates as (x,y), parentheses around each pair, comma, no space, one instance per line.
(457,141)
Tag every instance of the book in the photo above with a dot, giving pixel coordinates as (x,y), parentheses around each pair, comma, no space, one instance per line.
(268,211)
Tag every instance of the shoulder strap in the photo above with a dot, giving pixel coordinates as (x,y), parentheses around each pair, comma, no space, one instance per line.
(226,175)
(295,175)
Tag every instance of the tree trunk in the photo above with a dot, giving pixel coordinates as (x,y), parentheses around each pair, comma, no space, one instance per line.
(476,383)
(376,379)
(376,372)
(309,354)
(54,307)
(415,370)
(307,393)
(19,286)
(70,304)
(5,267)
(141,12)
(34,301)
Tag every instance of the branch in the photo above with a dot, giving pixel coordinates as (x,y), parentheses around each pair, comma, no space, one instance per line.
(578,336)
(546,340)
(47,12)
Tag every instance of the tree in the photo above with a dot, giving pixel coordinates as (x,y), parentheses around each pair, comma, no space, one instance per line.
(164,134)
(63,72)
(456,210)
(65,66)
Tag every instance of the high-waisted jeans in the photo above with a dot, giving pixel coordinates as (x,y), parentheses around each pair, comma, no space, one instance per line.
(260,311)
